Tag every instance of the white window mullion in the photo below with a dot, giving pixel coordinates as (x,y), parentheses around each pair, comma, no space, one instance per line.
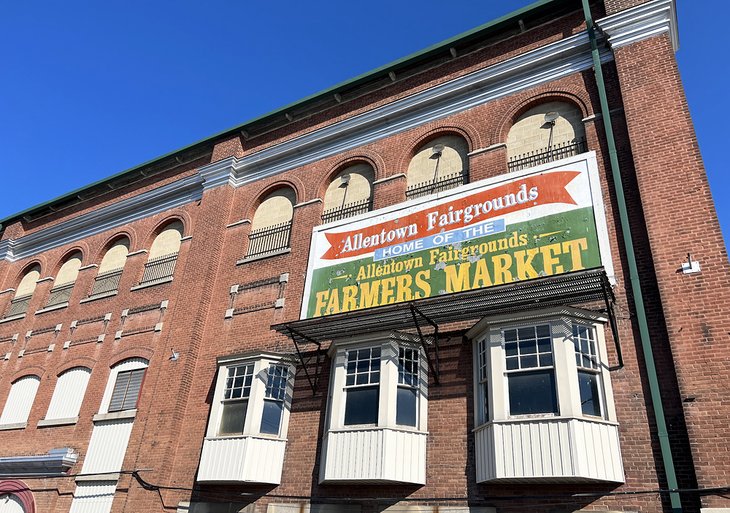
(499,398)
(256,398)
(388,385)
(565,376)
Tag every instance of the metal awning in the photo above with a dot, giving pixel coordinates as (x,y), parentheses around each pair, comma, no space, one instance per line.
(565,289)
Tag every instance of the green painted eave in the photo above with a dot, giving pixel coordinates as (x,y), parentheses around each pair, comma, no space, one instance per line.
(508,21)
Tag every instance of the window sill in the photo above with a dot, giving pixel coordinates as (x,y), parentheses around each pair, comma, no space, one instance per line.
(278,252)
(237,437)
(99,296)
(403,429)
(16,425)
(126,414)
(152,283)
(58,422)
(59,306)
(12,318)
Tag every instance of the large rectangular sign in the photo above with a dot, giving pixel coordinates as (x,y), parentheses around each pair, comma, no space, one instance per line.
(537,222)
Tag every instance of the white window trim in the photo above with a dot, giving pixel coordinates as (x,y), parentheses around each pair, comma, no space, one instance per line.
(256,398)
(564,365)
(125,365)
(389,343)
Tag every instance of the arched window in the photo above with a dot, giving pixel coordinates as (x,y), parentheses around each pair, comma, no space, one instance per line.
(271,224)
(349,193)
(65,279)
(160,265)
(68,395)
(439,165)
(110,269)
(24,292)
(124,385)
(547,132)
(20,401)
(10,503)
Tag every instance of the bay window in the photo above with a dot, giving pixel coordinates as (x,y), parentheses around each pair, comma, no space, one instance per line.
(246,435)
(377,411)
(542,387)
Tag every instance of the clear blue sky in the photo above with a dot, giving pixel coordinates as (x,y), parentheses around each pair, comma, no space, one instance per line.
(91,88)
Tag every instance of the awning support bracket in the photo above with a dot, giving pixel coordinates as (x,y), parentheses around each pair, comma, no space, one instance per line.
(609,299)
(313,380)
(415,312)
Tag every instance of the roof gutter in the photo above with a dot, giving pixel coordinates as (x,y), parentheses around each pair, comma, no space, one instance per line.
(644,336)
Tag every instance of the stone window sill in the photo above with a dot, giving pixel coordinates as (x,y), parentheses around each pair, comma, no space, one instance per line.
(99,296)
(152,283)
(246,260)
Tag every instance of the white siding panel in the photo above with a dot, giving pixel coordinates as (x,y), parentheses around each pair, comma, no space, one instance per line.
(93,497)
(20,400)
(375,455)
(68,394)
(10,504)
(552,450)
(107,447)
(242,459)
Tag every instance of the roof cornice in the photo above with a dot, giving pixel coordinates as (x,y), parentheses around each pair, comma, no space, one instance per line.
(641,22)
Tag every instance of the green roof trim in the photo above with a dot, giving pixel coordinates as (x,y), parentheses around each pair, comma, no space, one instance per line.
(493,26)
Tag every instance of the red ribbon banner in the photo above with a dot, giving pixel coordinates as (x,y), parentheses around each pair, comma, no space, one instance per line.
(522,194)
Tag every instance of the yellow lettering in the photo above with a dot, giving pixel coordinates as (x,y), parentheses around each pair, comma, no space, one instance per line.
(387,297)
(349,298)
(524,260)
(321,302)
(457,282)
(575,246)
(333,306)
(422,283)
(403,291)
(369,294)
(481,276)
(551,263)
(502,273)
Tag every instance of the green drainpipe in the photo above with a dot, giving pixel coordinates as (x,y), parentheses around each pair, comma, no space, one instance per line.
(656,397)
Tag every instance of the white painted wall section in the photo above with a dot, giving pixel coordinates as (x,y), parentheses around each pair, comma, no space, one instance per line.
(378,455)
(242,459)
(549,450)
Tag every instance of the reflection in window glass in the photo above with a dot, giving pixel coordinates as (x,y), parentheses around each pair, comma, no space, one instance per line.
(525,348)
(275,395)
(407,398)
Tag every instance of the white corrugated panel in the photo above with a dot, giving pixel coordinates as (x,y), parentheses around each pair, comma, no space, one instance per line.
(245,458)
(10,504)
(548,449)
(93,497)
(20,400)
(108,444)
(69,393)
(375,455)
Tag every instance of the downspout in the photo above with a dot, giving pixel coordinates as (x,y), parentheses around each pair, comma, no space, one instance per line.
(644,336)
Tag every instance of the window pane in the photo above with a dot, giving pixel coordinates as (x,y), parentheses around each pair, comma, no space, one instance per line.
(589,399)
(532,392)
(406,410)
(361,406)
(234,414)
(271,417)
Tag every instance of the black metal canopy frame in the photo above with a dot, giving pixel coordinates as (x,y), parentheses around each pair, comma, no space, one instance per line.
(561,290)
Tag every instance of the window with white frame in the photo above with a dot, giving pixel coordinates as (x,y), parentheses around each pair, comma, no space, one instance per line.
(545,366)
(379,383)
(68,394)
(124,386)
(20,400)
(252,397)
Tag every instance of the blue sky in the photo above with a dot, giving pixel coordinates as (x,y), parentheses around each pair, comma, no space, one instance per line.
(89,89)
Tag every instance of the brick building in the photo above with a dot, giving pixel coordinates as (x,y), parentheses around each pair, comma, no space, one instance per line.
(468,281)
